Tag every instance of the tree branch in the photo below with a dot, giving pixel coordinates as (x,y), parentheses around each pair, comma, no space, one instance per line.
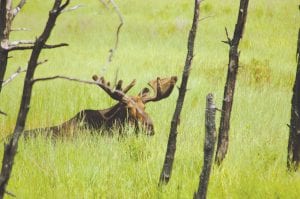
(19,29)
(2,113)
(18,71)
(10,194)
(46,46)
(228,38)
(17,9)
(116,8)
(66,78)
(62,7)
(13,76)
(20,42)
(206,17)
(112,50)
(42,62)
(72,8)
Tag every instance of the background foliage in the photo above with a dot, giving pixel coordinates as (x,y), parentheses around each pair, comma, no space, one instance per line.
(153,43)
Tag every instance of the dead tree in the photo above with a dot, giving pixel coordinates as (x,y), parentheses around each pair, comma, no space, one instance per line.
(209,147)
(7,14)
(11,147)
(233,66)
(129,109)
(113,49)
(171,147)
(293,158)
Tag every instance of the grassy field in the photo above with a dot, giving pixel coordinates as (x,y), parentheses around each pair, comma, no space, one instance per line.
(153,43)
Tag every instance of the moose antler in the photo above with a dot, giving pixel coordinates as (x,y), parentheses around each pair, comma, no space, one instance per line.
(116,93)
(162,88)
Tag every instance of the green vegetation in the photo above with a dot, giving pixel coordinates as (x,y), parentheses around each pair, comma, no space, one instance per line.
(153,43)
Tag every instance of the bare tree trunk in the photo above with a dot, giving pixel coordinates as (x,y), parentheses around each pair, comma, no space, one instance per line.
(3,65)
(11,148)
(171,148)
(4,36)
(233,66)
(7,14)
(209,147)
(293,158)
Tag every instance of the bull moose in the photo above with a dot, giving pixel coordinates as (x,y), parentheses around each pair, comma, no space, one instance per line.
(129,109)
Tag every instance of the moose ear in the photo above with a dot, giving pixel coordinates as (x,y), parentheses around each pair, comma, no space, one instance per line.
(145,92)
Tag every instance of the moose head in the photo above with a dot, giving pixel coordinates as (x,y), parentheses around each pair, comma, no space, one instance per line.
(129,109)
(132,108)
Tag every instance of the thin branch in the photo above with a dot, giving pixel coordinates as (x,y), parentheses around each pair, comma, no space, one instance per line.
(42,62)
(10,194)
(229,41)
(220,110)
(227,35)
(18,71)
(61,8)
(66,78)
(112,50)
(17,9)
(2,113)
(20,29)
(20,42)
(46,46)
(204,18)
(13,76)
(72,8)
(121,22)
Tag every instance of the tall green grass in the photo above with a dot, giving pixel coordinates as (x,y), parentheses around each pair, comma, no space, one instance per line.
(153,43)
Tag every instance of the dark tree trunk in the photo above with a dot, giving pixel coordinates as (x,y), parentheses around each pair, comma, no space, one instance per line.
(171,147)
(209,147)
(11,148)
(4,36)
(233,66)
(293,159)
(3,65)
